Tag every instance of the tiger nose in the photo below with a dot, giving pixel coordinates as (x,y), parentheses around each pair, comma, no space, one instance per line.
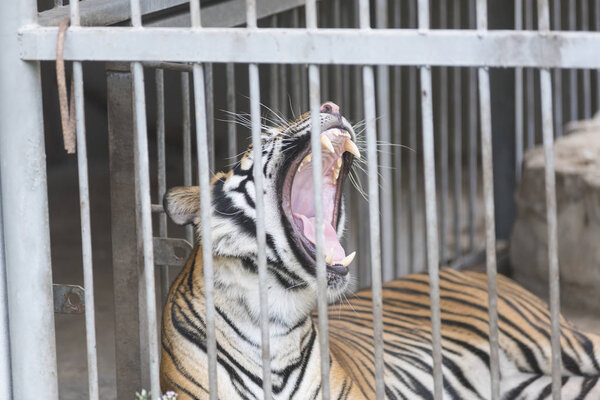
(330,108)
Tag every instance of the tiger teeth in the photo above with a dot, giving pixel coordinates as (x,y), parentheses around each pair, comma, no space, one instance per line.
(329,257)
(348,259)
(304,161)
(338,132)
(326,142)
(351,148)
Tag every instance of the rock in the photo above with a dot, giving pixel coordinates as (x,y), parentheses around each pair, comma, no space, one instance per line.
(578,200)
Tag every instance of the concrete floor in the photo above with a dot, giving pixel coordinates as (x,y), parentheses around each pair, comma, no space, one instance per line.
(67,268)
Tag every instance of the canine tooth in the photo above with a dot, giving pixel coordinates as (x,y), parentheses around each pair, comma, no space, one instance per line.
(348,259)
(351,148)
(329,257)
(339,162)
(327,143)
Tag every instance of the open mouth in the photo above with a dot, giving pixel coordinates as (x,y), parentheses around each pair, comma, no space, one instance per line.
(337,152)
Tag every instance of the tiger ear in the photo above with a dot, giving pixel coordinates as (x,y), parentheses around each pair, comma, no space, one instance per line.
(182,204)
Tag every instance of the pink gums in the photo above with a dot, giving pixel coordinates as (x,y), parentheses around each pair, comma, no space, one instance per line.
(302,198)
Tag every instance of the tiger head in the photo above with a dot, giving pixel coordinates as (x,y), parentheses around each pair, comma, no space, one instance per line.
(289,207)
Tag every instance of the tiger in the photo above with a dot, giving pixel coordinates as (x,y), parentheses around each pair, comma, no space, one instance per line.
(524,320)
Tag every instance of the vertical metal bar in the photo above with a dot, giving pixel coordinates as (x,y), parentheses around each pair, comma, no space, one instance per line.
(573,100)
(203,153)
(187,141)
(296,73)
(383,107)
(443,140)
(338,70)
(283,93)
(274,100)
(6,387)
(518,99)
(274,79)
(530,81)
(205,201)
(488,189)
(553,272)
(161,172)
(210,113)
(401,266)
(84,207)
(25,212)
(123,230)
(472,208)
(586,83)
(458,128)
(257,170)
(431,209)
(412,143)
(557,75)
(231,126)
(358,115)
(371,130)
(315,139)
(143,179)
(314,90)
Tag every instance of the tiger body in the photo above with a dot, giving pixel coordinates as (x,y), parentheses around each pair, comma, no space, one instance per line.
(524,322)
(524,337)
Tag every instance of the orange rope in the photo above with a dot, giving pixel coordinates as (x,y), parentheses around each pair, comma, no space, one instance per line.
(67,111)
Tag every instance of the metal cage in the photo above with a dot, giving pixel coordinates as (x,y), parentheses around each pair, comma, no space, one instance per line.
(414,86)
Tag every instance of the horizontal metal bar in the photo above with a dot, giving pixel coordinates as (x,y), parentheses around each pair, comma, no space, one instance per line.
(157,209)
(103,12)
(169,65)
(327,46)
(108,12)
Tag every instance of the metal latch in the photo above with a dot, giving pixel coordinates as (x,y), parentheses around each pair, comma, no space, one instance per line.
(68,299)
(170,251)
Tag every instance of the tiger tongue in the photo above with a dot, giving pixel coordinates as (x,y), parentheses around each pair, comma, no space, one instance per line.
(331,239)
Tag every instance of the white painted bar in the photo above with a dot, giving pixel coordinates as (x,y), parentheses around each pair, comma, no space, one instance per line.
(431,220)
(326,46)
(557,77)
(473,120)
(443,134)
(186,123)
(25,215)
(84,208)
(143,180)
(573,95)
(374,222)
(485,109)
(257,171)
(5,375)
(145,208)
(551,216)
(457,133)
(519,99)
(231,126)
(385,156)
(314,92)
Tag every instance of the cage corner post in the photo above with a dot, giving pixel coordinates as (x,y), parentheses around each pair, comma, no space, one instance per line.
(127,296)
(25,214)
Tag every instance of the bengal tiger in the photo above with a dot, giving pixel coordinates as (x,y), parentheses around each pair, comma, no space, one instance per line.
(524,321)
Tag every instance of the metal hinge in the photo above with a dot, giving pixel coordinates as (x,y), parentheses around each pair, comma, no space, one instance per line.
(68,299)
